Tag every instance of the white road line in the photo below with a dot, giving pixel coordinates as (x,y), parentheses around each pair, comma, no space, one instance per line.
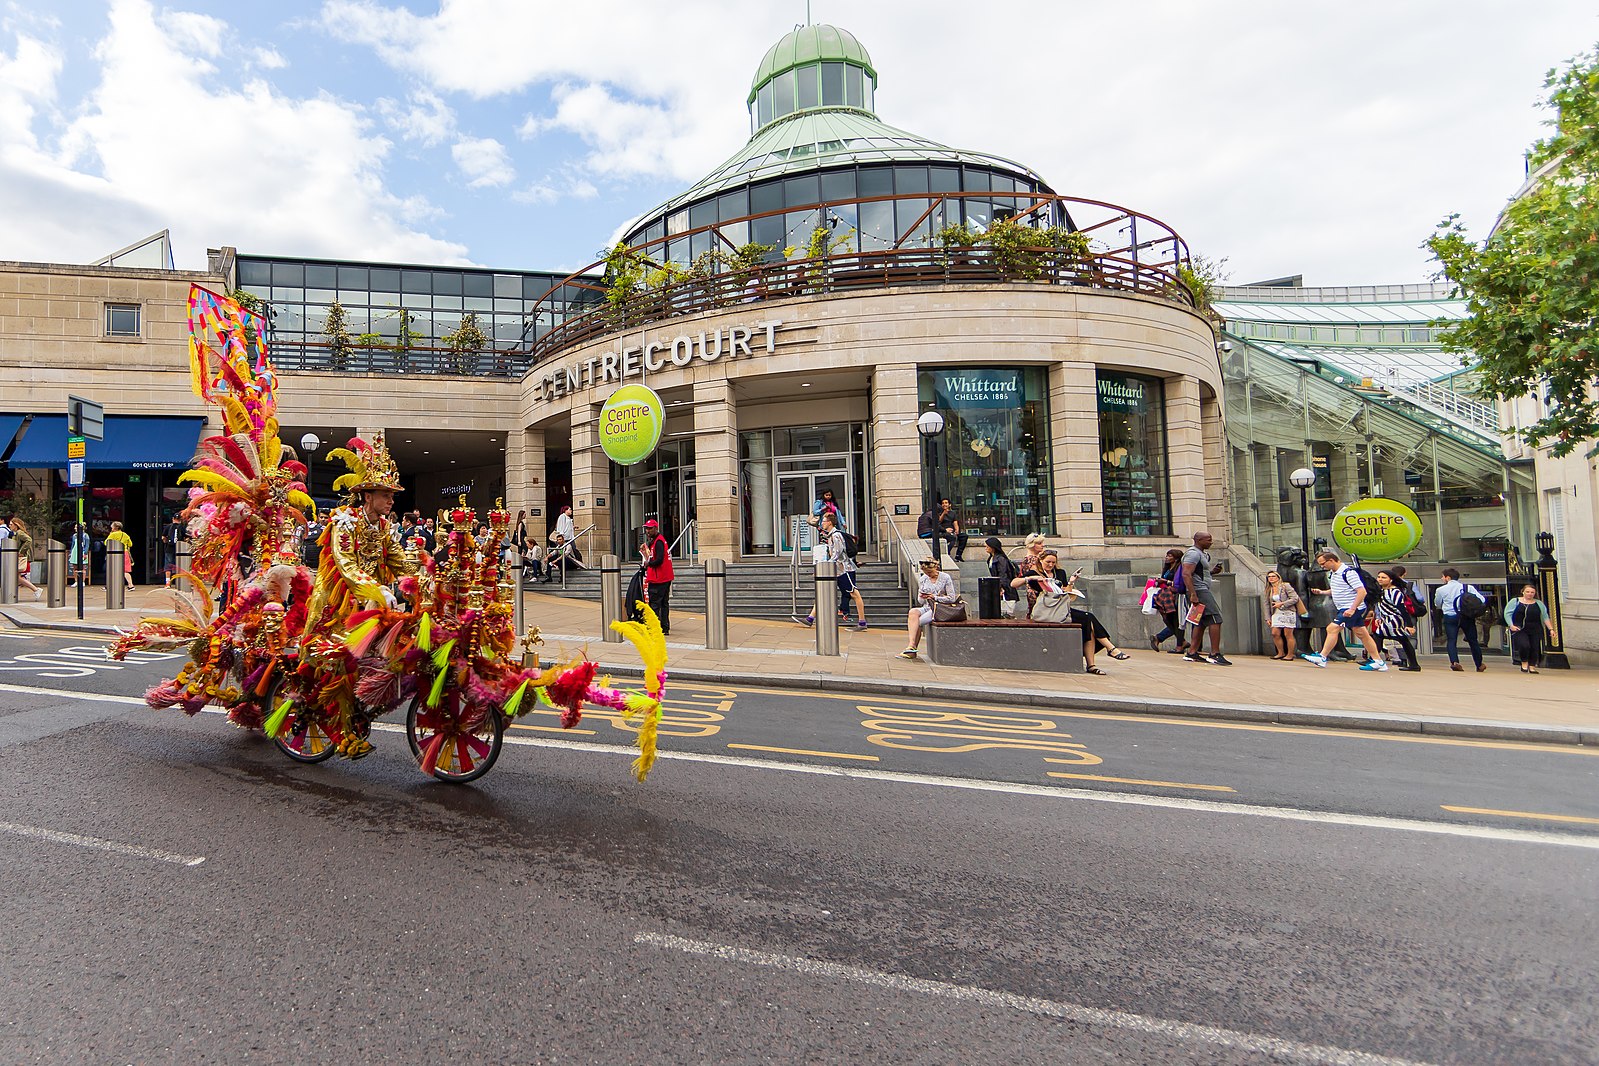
(1182,1032)
(1173,803)
(99,845)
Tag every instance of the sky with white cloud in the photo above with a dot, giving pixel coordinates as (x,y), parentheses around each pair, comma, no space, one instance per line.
(1317,139)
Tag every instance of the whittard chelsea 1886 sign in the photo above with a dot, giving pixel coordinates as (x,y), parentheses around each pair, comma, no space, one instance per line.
(964,389)
(707,346)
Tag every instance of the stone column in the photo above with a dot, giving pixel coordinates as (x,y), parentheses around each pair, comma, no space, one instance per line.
(1218,477)
(896,449)
(1185,458)
(591,481)
(717,503)
(1074,454)
(524,480)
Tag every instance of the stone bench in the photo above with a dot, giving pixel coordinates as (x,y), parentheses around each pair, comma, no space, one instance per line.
(1050,647)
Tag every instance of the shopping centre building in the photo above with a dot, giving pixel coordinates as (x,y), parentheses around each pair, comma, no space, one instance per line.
(798,311)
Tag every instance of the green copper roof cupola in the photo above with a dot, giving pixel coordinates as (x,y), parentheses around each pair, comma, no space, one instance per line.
(811,68)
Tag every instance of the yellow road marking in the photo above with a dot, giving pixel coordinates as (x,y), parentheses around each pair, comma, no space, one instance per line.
(552,729)
(802,751)
(1523,814)
(1202,723)
(1136,781)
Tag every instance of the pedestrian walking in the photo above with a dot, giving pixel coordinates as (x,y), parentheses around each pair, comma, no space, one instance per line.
(1527,618)
(838,552)
(826,503)
(657,557)
(1166,603)
(1203,611)
(1282,612)
(78,557)
(565,527)
(1352,611)
(1460,605)
(1394,620)
(120,536)
(19,532)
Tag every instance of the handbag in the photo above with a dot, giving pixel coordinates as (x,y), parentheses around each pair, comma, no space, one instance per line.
(949,612)
(1051,607)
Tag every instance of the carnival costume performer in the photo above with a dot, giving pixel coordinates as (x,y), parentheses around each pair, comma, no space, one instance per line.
(361,561)
(247,502)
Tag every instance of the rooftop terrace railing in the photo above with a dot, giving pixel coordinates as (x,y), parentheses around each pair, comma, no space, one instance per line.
(1125,251)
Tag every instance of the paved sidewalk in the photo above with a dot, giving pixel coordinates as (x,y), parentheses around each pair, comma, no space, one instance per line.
(1559,706)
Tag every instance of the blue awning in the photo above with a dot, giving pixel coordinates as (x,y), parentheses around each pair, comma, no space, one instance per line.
(8,429)
(132,442)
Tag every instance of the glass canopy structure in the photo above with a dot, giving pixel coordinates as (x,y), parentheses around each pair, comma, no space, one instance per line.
(1353,383)
(816,140)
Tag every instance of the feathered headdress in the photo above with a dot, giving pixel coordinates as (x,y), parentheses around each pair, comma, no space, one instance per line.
(371,466)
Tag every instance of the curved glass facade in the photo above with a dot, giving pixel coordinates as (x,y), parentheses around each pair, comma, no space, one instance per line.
(791,214)
(816,141)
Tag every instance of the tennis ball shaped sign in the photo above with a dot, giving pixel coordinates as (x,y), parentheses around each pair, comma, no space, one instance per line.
(1377,529)
(630,424)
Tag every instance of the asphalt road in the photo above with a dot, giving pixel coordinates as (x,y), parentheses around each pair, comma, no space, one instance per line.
(173,889)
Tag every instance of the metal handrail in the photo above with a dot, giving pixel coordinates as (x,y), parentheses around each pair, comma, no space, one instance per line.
(900,556)
(688,532)
(588,531)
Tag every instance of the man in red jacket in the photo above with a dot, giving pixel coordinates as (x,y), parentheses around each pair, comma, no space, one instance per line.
(657,557)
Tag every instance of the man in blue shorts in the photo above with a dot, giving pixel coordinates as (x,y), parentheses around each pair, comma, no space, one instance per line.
(1350,611)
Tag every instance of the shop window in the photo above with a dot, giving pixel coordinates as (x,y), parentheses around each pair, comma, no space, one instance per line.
(993,458)
(1132,456)
(121,320)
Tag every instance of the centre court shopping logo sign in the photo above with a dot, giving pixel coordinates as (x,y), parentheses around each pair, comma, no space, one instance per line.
(630,424)
(1377,529)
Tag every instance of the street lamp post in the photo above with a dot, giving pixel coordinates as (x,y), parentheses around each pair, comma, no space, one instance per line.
(930,425)
(309,445)
(1302,479)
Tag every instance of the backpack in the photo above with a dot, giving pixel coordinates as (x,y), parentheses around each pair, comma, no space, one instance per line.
(852,547)
(1177,585)
(1373,590)
(1415,606)
(1469,604)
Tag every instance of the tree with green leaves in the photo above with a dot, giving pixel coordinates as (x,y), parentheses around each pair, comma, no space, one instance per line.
(337,331)
(1532,288)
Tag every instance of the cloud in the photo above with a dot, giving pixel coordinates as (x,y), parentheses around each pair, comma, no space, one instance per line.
(549,189)
(237,164)
(270,59)
(484,161)
(425,117)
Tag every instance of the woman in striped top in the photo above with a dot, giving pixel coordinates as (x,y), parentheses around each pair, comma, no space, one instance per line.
(1393,618)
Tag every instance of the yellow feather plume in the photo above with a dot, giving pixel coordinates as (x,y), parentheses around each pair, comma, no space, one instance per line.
(646,636)
(213,481)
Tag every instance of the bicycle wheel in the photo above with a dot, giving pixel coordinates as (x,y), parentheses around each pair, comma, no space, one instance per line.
(306,737)
(463,756)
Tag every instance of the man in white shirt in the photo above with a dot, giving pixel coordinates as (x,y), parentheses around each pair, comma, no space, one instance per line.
(1350,611)
(1447,601)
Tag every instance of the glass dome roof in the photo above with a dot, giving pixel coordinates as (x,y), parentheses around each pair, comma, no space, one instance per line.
(810,44)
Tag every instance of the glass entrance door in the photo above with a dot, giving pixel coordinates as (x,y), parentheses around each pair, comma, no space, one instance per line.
(796,497)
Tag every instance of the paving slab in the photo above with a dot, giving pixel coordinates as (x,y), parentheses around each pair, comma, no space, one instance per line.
(1556,706)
